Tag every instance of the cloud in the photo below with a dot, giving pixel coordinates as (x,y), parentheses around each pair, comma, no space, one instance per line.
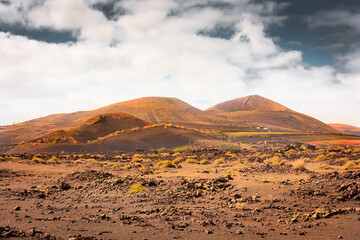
(156,48)
(336,18)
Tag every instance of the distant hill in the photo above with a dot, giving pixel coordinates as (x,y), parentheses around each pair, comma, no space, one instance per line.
(249,103)
(147,138)
(151,109)
(241,114)
(262,112)
(347,129)
(97,126)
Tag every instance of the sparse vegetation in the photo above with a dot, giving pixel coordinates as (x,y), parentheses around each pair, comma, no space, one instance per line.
(164,164)
(275,161)
(160,150)
(323,166)
(191,161)
(219,161)
(240,206)
(299,164)
(321,157)
(351,165)
(135,188)
(177,160)
(204,161)
(183,149)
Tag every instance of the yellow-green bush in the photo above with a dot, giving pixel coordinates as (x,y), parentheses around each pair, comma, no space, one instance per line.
(320,158)
(177,160)
(136,188)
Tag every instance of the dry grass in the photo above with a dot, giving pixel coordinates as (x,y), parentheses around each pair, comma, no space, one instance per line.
(275,161)
(299,164)
(219,161)
(320,158)
(177,160)
(191,161)
(323,166)
(204,161)
(164,164)
(351,165)
(240,206)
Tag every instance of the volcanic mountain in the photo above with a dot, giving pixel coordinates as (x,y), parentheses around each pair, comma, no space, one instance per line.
(261,112)
(347,129)
(130,140)
(152,109)
(97,126)
(249,103)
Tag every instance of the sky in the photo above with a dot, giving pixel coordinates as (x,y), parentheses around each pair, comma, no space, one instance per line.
(60,56)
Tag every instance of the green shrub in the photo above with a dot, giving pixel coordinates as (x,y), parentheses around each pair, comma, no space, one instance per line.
(160,150)
(183,149)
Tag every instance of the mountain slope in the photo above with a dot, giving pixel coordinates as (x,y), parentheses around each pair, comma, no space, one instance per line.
(259,111)
(249,103)
(146,138)
(97,126)
(347,129)
(152,109)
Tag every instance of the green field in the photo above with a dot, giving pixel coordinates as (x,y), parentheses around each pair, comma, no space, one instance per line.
(239,134)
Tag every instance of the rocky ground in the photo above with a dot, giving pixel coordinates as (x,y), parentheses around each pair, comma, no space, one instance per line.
(287,192)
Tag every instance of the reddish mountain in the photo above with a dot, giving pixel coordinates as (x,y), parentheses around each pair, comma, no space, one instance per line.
(152,109)
(249,103)
(146,138)
(347,129)
(98,126)
(259,111)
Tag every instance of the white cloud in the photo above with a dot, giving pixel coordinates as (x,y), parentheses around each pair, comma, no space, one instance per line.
(163,55)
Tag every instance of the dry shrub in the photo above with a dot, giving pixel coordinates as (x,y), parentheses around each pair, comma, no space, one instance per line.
(191,161)
(331,154)
(204,161)
(264,156)
(320,158)
(231,155)
(323,166)
(351,165)
(290,152)
(219,161)
(275,161)
(177,160)
(299,164)
(240,206)
(164,164)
